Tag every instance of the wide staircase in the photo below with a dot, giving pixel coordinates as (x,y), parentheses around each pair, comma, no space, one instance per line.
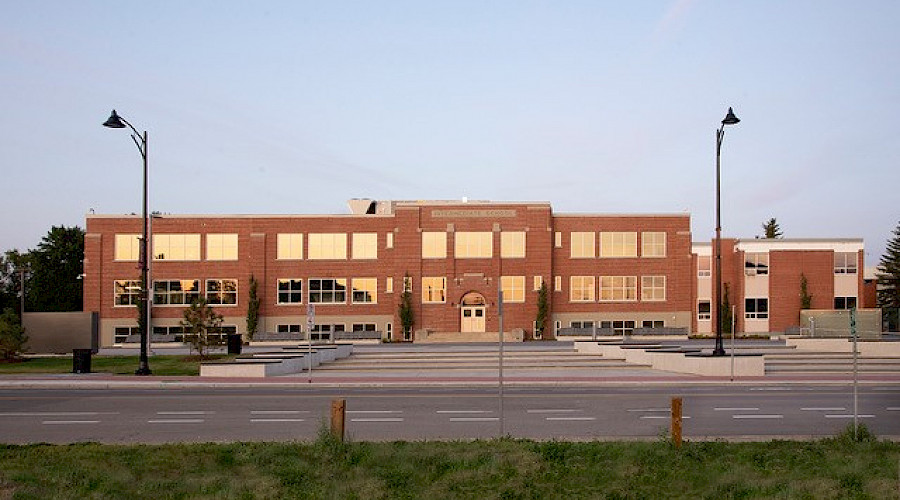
(467,337)
(829,362)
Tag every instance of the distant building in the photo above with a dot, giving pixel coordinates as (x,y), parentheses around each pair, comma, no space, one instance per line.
(610,271)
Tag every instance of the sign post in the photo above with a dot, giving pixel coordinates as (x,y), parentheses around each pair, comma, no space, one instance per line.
(310,324)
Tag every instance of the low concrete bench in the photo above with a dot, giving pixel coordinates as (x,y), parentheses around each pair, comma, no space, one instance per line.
(287,361)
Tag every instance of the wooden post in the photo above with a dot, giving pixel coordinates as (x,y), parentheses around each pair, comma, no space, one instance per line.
(676,422)
(338,408)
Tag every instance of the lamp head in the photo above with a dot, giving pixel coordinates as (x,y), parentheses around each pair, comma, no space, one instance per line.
(114,121)
(730,119)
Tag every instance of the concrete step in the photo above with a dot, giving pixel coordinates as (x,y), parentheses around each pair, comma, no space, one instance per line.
(486,337)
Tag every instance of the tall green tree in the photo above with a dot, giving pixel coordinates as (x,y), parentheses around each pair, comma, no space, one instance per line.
(771,229)
(56,267)
(543,308)
(725,311)
(405,309)
(253,308)
(889,273)
(805,297)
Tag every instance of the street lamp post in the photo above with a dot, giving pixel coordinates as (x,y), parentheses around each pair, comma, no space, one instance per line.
(729,119)
(140,140)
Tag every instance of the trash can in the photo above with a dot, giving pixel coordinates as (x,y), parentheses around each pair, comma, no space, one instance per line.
(234,343)
(81,361)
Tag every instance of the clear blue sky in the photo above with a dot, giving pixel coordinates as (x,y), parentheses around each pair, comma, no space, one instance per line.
(595,106)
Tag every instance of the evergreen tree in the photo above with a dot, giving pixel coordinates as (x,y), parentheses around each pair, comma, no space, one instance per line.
(725,311)
(805,297)
(772,229)
(543,308)
(405,310)
(253,308)
(889,274)
(12,335)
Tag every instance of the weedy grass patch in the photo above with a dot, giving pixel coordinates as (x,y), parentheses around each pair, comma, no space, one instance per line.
(118,365)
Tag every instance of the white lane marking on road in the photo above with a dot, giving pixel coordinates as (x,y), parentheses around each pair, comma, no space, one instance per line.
(177,421)
(893,408)
(376,420)
(648,409)
(475,419)
(735,409)
(757,416)
(571,418)
(553,410)
(849,416)
(464,412)
(59,414)
(660,417)
(373,412)
(770,388)
(65,422)
(275,420)
(277,412)
(825,408)
(185,412)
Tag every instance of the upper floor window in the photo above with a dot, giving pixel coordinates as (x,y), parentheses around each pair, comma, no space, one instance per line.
(512,244)
(704,266)
(221,292)
(557,239)
(128,247)
(844,263)
(176,246)
(221,246)
(290,291)
(619,244)
(756,263)
(653,244)
(434,245)
(290,246)
(389,240)
(618,288)
(434,289)
(582,245)
(365,245)
(365,290)
(581,289)
(175,292)
(327,291)
(756,308)
(513,288)
(474,245)
(653,288)
(327,246)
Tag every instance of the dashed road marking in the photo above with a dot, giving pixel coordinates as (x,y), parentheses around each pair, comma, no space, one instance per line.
(570,418)
(66,422)
(757,416)
(376,420)
(177,421)
(825,408)
(849,416)
(275,420)
(475,419)
(736,409)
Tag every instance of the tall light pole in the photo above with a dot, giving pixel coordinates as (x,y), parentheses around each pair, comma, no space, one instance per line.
(730,119)
(140,140)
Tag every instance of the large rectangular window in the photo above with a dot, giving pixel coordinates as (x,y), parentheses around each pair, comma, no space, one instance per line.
(512,244)
(221,292)
(434,289)
(582,245)
(434,245)
(176,246)
(127,292)
(221,247)
(365,290)
(513,288)
(653,244)
(332,246)
(653,288)
(328,291)
(618,288)
(844,263)
(290,291)
(290,246)
(619,244)
(128,247)
(175,292)
(474,245)
(622,327)
(756,264)
(365,245)
(756,308)
(581,289)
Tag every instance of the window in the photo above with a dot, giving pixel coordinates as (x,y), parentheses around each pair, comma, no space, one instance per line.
(704,310)
(653,244)
(175,292)
(474,245)
(582,324)
(221,247)
(363,327)
(653,288)
(653,323)
(618,288)
(407,284)
(121,333)
(434,245)
(127,293)
(389,240)
(844,302)
(538,281)
(327,291)
(582,245)
(844,263)
(619,327)
(365,245)
(221,292)
(128,247)
(557,283)
(389,285)
(176,246)
(557,239)
(704,266)
(513,288)
(176,331)
(327,246)
(288,328)
(756,264)
(434,289)
(756,308)
(613,244)
(512,244)
(365,290)
(581,289)
(290,291)
(290,246)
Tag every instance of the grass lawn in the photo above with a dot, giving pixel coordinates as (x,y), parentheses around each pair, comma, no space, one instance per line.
(504,468)
(120,365)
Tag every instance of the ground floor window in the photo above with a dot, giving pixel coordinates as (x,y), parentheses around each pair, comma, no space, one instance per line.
(121,333)
(288,328)
(622,327)
(363,327)
(756,308)
(844,302)
(582,324)
(177,331)
(653,323)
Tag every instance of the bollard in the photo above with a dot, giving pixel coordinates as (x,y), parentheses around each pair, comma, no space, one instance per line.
(338,409)
(676,422)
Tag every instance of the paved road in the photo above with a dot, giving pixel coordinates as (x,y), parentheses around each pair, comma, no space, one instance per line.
(269,413)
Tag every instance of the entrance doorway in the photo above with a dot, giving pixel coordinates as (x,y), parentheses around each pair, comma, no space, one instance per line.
(472,312)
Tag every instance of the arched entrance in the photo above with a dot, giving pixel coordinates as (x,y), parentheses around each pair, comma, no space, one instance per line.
(472,312)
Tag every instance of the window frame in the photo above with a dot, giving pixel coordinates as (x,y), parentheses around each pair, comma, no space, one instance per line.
(134,247)
(219,247)
(432,285)
(515,285)
(618,288)
(364,246)
(222,292)
(584,284)
(434,244)
(512,244)
(368,287)
(616,244)
(655,246)
(580,247)
(289,291)
(291,243)
(654,287)
(320,292)
(754,313)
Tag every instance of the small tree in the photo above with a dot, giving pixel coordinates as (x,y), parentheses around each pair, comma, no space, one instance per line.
(202,326)
(253,308)
(772,229)
(12,335)
(405,310)
(805,297)
(725,311)
(543,309)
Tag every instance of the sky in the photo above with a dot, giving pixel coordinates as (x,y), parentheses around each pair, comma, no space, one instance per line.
(595,106)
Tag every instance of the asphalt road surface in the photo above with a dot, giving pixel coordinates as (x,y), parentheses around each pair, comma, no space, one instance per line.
(289,414)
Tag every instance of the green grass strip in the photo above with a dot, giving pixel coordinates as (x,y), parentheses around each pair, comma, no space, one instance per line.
(118,365)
